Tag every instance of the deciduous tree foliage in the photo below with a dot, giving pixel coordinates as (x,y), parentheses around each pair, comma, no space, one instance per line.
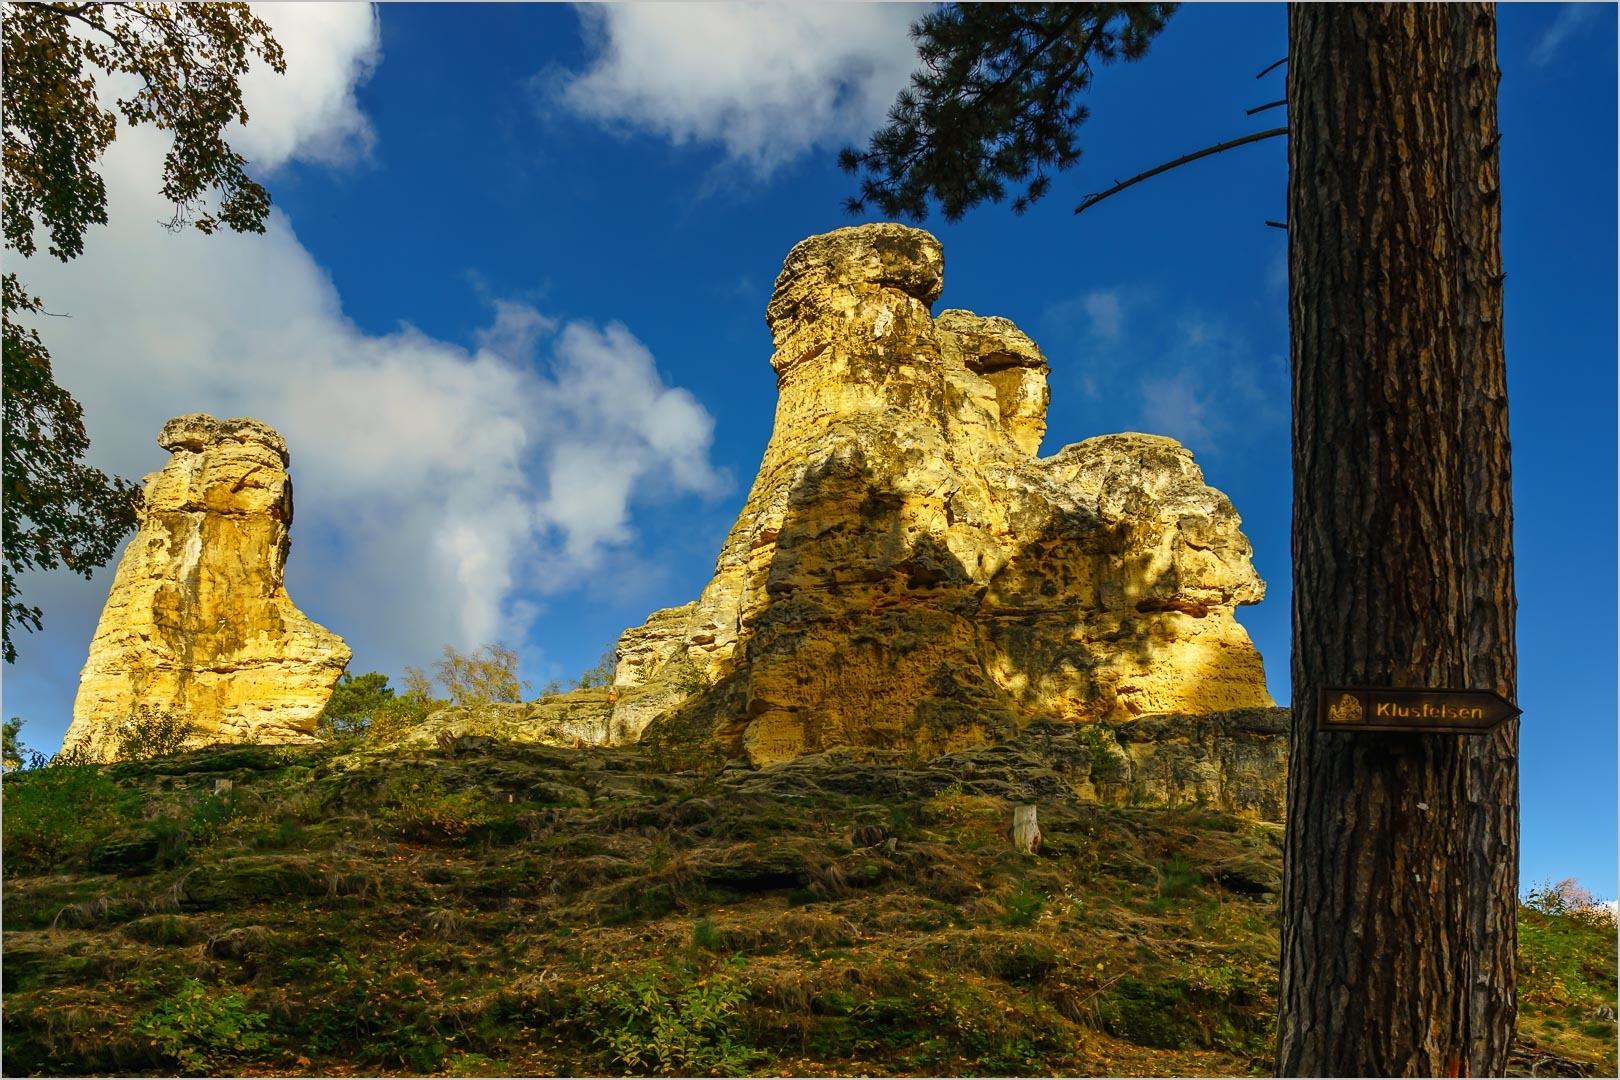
(1402,850)
(186,61)
(997,101)
(486,675)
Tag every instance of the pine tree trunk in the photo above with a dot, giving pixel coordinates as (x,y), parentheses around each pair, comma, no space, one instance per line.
(1401,860)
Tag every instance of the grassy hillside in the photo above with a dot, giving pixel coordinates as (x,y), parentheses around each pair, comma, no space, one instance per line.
(522,910)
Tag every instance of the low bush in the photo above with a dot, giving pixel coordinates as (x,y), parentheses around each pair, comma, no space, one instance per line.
(202,1031)
(1024,906)
(1178,880)
(420,809)
(670,1021)
(56,813)
(150,732)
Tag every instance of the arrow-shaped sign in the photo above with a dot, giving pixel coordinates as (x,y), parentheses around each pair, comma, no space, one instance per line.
(1367,708)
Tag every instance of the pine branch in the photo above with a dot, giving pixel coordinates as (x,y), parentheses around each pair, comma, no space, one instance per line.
(1093,200)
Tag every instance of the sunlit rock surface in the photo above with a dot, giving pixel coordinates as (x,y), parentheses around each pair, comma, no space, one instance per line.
(197,623)
(908,575)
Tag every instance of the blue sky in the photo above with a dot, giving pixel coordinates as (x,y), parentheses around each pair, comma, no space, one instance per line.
(510,317)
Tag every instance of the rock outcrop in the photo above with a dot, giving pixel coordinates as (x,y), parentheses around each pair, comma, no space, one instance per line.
(577,718)
(197,624)
(1235,760)
(908,575)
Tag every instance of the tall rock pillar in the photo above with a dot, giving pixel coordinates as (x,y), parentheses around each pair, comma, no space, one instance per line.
(197,622)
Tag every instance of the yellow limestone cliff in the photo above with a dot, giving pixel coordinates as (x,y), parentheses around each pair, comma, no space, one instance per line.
(197,622)
(908,575)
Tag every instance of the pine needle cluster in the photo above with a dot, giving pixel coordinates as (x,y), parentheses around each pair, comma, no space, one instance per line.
(995,103)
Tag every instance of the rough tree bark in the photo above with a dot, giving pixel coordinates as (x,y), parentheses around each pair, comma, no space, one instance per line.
(1401,860)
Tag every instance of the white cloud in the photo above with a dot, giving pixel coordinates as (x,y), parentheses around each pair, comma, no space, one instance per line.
(439,489)
(1097,315)
(1104,310)
(310,113)
(768,82)
(1178,406)
(434,476)
(1571,18)
(1184,373)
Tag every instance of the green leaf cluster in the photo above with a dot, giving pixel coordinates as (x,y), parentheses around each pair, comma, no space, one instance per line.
(51,812)
(996,102)
(188,60)
(200,1030)
(672,1023)
(150,732)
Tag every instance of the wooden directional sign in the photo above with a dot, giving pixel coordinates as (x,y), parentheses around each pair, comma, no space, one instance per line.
(1366,708)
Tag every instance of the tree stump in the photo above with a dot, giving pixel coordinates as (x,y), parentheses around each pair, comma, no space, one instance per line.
(1025,833)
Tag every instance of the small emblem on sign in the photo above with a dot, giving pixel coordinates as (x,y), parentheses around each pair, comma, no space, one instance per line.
(1348,710)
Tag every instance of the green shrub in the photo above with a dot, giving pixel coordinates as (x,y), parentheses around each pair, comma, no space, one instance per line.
(420,809)
(150,732)
(1177,880)
(1566,950)
(1105,760)
(1566,897)
(670,1022)
(705,935)
(946,1026)
(690,681)
(202,1031)
(1156,1014)
(1024,906)
(54,812)
(354,701)
(1027,963)
(366,707)
(384,1010)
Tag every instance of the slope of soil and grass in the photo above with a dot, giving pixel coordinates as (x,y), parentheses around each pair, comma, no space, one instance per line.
(511,909)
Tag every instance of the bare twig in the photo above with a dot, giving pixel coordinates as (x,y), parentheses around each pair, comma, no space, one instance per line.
(1278,225)
(1093,200)
(1272,68)
(1267,105)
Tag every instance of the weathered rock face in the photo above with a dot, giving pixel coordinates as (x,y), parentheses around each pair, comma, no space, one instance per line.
(577,718)
(1235,760)
(907,575)
(197,622)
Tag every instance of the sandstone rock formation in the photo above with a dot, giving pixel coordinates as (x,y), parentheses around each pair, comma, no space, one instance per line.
(197,623)
(908,575)
(577,718)
(1235,760)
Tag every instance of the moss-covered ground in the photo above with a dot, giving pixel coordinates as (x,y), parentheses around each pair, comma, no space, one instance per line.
(521,910)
